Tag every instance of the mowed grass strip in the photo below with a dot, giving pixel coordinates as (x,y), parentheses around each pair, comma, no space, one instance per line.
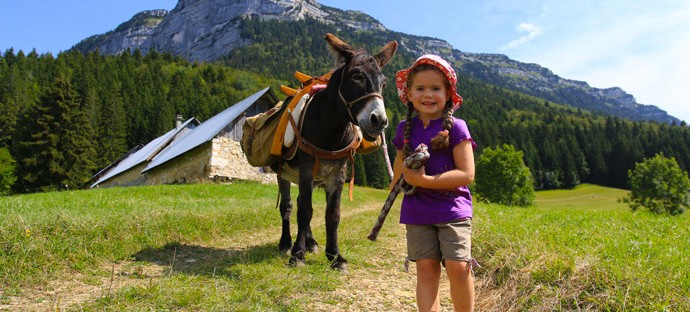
(214,247)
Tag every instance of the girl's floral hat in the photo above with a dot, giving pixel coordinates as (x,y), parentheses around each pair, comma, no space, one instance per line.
(435,60)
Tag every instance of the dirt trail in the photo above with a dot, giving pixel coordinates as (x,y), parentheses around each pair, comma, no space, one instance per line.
(384,288)
(60,295)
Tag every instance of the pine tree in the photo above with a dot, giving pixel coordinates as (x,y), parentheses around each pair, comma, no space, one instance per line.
(360,173)
(112,136)
(375,166)
(58,152)
(17,94)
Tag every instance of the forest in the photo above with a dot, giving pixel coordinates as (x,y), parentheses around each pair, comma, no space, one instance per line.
(563,146)
(64,117)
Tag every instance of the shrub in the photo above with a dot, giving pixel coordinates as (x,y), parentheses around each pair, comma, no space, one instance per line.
(7,177)
(502,177)
(659,185)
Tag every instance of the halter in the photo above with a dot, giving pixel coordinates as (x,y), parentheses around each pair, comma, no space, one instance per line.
(350,104)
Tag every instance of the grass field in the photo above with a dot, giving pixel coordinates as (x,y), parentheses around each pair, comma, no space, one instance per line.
(214,248)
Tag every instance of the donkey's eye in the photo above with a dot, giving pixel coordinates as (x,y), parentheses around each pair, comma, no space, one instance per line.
(358,77)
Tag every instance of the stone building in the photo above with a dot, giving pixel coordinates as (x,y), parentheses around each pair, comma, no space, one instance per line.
(193,152)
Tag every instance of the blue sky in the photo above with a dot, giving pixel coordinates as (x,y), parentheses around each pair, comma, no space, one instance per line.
(642,46)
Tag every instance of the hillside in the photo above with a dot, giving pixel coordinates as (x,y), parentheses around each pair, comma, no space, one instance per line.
(211,30)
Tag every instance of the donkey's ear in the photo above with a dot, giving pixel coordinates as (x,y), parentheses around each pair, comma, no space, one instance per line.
(341,51)
(386,53)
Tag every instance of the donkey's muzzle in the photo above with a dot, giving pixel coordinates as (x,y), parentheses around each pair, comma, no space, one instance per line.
(373,120)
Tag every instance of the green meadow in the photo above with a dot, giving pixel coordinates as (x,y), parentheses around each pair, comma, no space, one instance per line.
(213,247)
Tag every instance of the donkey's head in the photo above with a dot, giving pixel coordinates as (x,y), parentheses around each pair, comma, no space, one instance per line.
(360,84)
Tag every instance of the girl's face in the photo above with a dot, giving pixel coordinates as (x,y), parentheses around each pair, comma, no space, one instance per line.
(428,93)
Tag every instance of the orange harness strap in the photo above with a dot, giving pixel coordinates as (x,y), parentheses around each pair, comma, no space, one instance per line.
(307,84)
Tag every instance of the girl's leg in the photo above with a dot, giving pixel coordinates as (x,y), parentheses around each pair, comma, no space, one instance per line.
(461,285)
(428,277)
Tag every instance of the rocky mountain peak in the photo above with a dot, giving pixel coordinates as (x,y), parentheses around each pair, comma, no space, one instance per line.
(205,30)
(266,9)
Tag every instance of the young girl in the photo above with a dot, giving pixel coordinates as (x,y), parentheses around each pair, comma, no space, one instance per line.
(438,215)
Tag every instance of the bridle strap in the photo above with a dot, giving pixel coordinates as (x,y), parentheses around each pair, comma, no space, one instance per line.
(349,104)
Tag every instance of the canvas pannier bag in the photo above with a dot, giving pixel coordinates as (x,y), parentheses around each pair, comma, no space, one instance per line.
(257,136)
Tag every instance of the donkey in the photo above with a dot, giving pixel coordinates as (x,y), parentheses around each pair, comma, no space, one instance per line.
(327,140)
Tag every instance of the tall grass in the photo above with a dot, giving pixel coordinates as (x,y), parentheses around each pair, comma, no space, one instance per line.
(214,247)
(581,249)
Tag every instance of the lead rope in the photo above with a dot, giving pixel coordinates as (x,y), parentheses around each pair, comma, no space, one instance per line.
(415,161)
(384,146)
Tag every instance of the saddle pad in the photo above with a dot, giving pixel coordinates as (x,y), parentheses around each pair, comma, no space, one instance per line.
(289,137)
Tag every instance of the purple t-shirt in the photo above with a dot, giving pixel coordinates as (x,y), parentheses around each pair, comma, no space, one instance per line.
(431,206)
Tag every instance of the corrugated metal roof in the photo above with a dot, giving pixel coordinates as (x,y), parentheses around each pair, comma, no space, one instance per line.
(205,131)
(112,165)
(143,154)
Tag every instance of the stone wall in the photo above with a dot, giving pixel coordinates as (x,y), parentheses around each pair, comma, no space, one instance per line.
(220,160)
(227,160)
(190,167)
(131,177)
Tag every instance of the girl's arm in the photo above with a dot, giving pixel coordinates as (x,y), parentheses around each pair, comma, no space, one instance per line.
(462,175)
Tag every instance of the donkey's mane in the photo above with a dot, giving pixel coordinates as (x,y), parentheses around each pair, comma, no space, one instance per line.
(360,56)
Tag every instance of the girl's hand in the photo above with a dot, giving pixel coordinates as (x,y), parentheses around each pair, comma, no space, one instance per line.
(414,177)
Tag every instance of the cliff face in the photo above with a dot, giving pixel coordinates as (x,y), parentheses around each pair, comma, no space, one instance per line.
(204,30)
(134,33)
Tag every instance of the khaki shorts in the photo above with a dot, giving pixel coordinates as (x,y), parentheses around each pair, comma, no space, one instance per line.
(451,241)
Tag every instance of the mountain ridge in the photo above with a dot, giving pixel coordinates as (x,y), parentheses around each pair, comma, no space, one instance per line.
(207,30)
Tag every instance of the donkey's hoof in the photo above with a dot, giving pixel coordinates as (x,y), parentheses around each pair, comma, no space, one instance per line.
(339,266)
(337,262)
(313,248)
(296,262)
(283,248)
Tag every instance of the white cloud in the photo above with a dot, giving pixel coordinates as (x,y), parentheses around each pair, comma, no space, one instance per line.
(529,31)
(642,49)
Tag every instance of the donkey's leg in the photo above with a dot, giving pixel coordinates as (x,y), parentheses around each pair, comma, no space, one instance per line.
(309,241)
(333,192)
(304,215)
(285,212)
